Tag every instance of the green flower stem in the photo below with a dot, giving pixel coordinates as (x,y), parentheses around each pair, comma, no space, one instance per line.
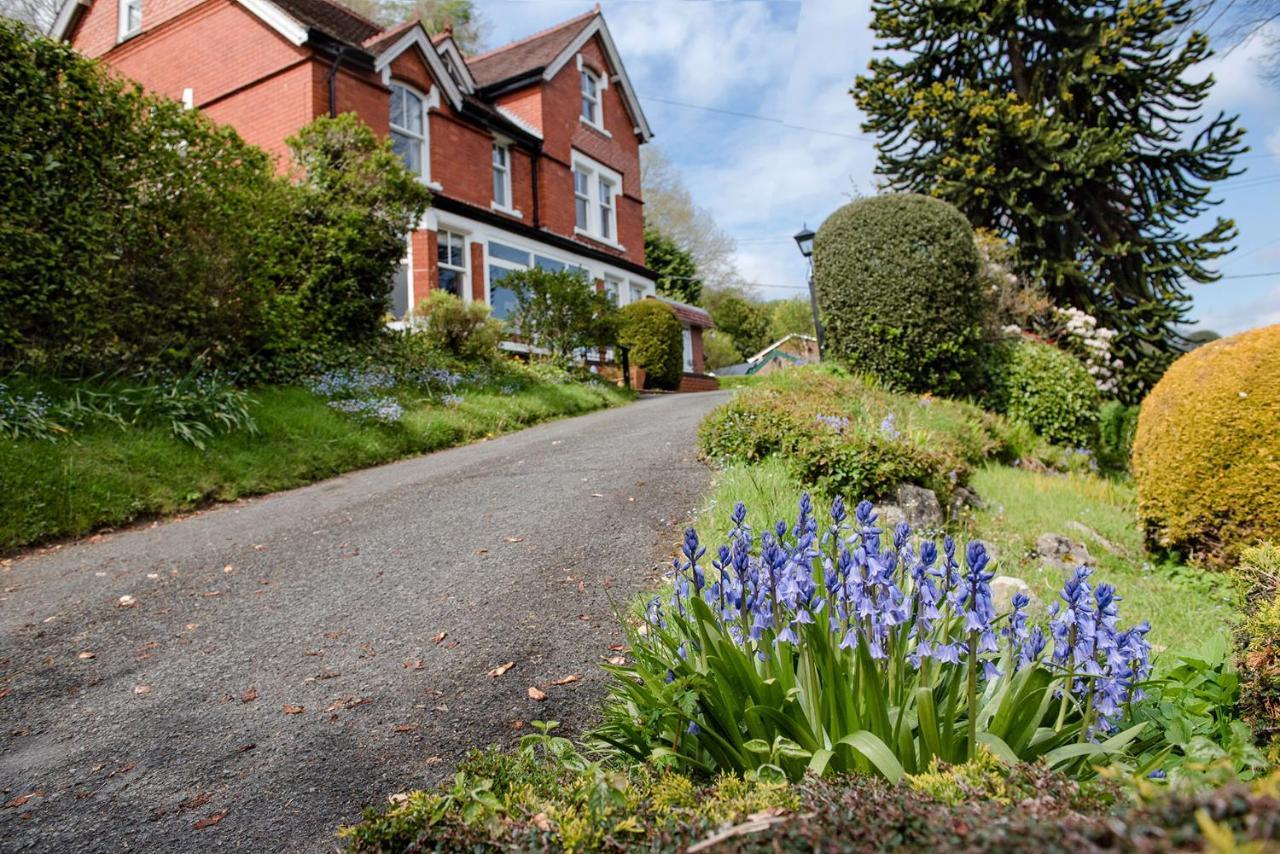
(973,695)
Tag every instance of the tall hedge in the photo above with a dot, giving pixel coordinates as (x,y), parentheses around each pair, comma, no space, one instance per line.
(1047,389)
(136,234)
(1206,457)
(652,332)
(898,291)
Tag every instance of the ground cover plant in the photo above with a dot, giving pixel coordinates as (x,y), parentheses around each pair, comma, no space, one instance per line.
(63,479)
(844,435)
(1045,388)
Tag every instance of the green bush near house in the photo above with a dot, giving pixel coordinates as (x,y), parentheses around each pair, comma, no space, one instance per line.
(898,291)
(1207,449)
(655,338)
(1045,388)
(463,330)
(846,435)
(1117,424)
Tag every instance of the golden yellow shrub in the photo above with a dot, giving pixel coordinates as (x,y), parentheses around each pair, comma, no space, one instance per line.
(1206,456)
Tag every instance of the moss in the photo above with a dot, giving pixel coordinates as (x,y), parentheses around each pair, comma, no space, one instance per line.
(1206,456)
(985,777)
(731,799)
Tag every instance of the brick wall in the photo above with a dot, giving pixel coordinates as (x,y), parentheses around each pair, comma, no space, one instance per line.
(698,382)
(97,30)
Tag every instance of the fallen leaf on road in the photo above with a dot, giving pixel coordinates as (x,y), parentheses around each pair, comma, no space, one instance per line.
(249,695)
(291,709)
(313,652)
(513,539)
(501,669)
(517,724)
(438,637)
(433,760)
(257,547)
(541,822)
(245,748)
(535,694)
(582,587)
(212,593)
(405,728)
(616,660)
(398,798)
(123,769)
(618,647)
(597,495)
(22,799)
(142,689)
(584,617)
(153,575)
(228,568)
(195,802)
(572,677)
(191,627)
(482,551)
(211,820)
(414,664)
(326,673)
(347,701)
(126,602)
(88,655)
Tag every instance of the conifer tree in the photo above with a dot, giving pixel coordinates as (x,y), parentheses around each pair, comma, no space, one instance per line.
(1073,128)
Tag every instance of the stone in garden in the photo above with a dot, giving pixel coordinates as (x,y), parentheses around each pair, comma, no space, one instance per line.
(1003,588)
(921,507)
(888,516)
(1063,552)
(962,499)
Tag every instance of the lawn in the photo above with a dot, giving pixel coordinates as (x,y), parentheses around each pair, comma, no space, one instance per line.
(108,476)
(1189,610)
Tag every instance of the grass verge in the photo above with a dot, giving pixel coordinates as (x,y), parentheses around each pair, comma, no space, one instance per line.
(107,476)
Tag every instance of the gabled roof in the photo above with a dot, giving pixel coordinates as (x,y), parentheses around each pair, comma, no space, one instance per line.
(542,56)
(333,19)
(776,344)
(530,55)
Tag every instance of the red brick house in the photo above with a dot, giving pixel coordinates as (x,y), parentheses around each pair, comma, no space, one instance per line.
(532,150)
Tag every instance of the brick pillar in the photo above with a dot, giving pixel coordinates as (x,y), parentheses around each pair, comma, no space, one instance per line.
(423,269)
(477,271)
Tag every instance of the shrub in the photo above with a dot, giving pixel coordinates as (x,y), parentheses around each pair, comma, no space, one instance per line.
(463,330)
(652,332)
(1258,643)
(560,311)
(1207,446)
(718,350)
(743,319)
(1045,388)
(845,436)
(1117,422)
(897,286)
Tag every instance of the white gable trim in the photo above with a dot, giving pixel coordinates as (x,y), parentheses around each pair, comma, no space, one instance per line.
(418,36)
(518,122)
(450,48)
(273,16)
(600,28)
(66,15)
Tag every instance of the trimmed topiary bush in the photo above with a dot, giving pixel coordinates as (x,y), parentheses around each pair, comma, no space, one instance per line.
(1045,388)
(1206,457)
(898,289)
(651,330)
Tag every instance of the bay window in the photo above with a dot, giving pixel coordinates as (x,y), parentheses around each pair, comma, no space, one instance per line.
(451,252)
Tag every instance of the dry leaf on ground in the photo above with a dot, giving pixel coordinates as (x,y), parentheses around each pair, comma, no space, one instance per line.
(142,689)
(413,664)
(85,656)
(211,820)
(249,695)
(290,709)
(126,602)
(405,728)
(438,637)
(572,677)
(501,669)
(535,694)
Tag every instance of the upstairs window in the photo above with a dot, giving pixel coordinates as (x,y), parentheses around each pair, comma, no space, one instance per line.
(130,19)
(501,176)
(591,98)
(595,198)
(408,129)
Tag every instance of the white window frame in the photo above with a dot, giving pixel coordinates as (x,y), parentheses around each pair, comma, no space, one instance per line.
(424,138)
(589,88)
(635,292)
(687,335)
(613,288)
(602,219)
(123,31)
(446,237)
(503,172)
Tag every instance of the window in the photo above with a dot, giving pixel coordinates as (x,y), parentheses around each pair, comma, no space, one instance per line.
(503,260)
(590,98)
(688,350)
(582,198)
(408,129)
(501,176)
(451,251)
(595,199)
(130,19)
(612,289)
(607,219)
(637,292)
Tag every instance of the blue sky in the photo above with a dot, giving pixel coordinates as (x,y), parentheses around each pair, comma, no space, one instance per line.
(792,62)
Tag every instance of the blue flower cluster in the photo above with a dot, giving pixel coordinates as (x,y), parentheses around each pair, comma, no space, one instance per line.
(385,409)
(904,599)
(350,383)
(887,428)
(836,422)
(451,399)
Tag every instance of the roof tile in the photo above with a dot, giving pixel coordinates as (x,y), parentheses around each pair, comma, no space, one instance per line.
(532,53)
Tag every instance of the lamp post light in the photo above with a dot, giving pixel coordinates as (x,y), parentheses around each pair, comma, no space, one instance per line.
(804,239)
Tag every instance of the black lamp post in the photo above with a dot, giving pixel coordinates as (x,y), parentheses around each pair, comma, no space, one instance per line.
(804,239)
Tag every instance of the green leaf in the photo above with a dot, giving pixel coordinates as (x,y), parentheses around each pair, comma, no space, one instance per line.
(876,752)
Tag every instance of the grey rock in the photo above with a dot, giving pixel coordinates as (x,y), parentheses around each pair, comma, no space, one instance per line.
(1003,588)
(921,507)
(962,499)
(1062,551)
(888,517)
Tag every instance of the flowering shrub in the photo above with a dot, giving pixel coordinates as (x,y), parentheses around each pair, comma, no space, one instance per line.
(837,648)
(1079,334)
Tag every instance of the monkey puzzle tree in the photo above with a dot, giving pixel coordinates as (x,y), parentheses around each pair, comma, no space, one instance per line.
(1072,127)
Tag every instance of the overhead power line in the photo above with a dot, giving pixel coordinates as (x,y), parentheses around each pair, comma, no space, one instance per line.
(756,117)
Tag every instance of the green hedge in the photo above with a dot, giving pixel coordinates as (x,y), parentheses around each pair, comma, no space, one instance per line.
(898,291)
(656,340)
(1046,389)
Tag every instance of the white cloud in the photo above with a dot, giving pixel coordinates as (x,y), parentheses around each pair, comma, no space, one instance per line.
(1263,310)
(1238,73)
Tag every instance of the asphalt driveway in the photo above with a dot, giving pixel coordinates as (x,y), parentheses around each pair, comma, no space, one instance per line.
(250,677)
